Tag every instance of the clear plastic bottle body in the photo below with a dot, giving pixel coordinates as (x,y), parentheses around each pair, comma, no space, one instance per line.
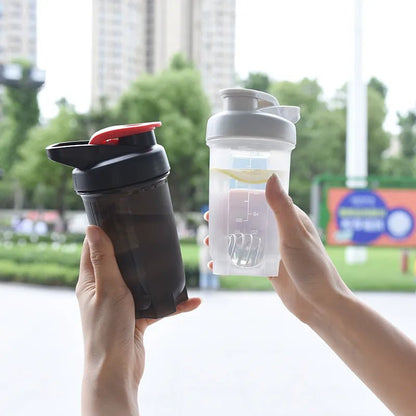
(242,228)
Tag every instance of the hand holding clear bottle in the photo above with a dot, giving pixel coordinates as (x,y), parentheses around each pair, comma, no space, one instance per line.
(309,285)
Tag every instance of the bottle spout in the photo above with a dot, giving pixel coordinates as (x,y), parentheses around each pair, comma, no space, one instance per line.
(82,155)
(288,112)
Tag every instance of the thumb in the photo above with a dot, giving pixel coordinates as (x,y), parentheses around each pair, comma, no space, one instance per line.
(107,273)
(291,228)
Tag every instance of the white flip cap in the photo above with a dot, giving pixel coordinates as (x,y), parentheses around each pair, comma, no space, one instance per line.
(256,114)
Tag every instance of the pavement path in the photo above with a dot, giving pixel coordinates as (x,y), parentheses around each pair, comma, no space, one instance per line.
(240,354)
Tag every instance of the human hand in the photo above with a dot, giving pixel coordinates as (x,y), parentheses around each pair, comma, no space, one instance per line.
(310,286)
(113,338)
(307,282)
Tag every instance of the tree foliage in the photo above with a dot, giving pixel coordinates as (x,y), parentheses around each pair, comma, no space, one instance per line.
(34,170)
(96,119)
(378,138)
(320,136)
(257,81)
(175,96)
(407,135)
(404,163)
(321,132)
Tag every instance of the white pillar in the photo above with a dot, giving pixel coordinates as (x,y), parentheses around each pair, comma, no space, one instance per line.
(356,165)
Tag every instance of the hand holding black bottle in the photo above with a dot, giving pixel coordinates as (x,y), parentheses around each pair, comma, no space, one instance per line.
(121,175)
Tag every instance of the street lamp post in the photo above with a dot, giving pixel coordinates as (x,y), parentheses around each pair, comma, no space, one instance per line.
(21,77)
(356,164)
(12,75)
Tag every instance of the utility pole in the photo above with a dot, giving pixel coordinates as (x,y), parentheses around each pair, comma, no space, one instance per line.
(356,165)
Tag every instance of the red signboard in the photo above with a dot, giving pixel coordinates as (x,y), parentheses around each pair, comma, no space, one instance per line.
(376,217)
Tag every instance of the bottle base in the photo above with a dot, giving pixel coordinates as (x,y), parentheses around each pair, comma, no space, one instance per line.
(227,268)
(163,308)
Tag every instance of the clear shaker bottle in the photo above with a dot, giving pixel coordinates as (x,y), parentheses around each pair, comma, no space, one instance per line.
(251,139)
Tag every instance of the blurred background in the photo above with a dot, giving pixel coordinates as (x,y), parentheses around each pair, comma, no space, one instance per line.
(70,68)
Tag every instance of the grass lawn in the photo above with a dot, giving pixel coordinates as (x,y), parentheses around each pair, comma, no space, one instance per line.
(381,272)
(58,264)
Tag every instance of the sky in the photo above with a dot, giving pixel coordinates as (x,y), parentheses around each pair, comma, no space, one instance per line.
(288,40)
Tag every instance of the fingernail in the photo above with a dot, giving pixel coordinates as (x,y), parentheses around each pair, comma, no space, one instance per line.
(274,180)
(93,234)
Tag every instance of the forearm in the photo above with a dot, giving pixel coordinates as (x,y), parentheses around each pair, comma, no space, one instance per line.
(108,396)
(378,353)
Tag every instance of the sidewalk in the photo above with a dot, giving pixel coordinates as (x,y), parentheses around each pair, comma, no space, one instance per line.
(239,354)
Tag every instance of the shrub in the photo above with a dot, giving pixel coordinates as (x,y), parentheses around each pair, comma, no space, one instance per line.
(55,264)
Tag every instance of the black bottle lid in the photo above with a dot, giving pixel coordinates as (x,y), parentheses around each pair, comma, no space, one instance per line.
(114,157)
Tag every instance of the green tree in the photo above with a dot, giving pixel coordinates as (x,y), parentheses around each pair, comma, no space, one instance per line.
(404,164)
(378,138)
(46,178)
(407,135)
(179,62)
(321,132)
(320,136)
(378,86)
(96,119)
(175,96)
(257,81)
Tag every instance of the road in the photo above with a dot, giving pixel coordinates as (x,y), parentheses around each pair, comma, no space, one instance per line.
(240,353)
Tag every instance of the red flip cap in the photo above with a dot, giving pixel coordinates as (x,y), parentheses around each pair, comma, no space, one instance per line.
(110,135)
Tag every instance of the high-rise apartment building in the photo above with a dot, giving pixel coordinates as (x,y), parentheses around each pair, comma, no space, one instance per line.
(18,30)
(202,30)
(217,38)
(119,46)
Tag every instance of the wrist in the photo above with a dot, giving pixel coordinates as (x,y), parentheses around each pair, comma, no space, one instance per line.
(108,392)
(332,311)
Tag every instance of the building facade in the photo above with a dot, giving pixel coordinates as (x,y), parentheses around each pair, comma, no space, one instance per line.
(216,48)
(118,52)
(18,31)
(131,37)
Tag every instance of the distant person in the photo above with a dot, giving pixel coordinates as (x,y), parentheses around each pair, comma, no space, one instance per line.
(207,279)
(308,285)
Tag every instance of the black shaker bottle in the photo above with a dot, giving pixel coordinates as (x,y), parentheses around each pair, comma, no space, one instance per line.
(121,175)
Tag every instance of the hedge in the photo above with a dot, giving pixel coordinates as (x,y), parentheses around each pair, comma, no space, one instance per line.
(57,264)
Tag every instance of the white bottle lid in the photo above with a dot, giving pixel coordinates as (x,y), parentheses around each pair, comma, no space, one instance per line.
(254,114)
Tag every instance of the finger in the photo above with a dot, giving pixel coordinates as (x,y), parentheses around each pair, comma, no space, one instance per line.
(206,240)
(291,228)
(206,216)
(188,305)
(308,224)
(210,265)
(185,306)
(107,273)
(86,276)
